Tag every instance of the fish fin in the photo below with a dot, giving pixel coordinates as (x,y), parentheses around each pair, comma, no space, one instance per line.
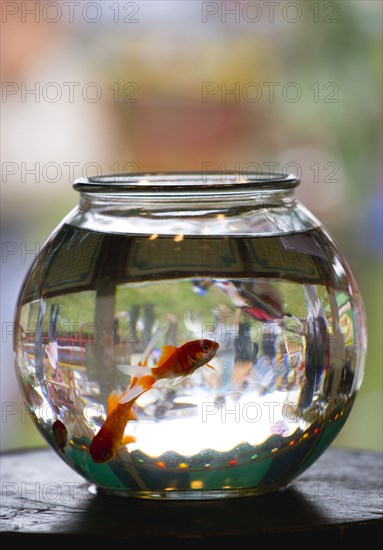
(132,415)
(167,352)
(210,366)
(178,380)
(130,394)
(128,439)
(143,384)
(134,370)
(149,348)
(161,383)
(113,401)
(146,382)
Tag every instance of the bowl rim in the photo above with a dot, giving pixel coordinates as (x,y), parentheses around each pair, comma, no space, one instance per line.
(186,181)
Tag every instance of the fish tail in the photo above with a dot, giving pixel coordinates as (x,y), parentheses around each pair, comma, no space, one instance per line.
(146,382)
(143,384)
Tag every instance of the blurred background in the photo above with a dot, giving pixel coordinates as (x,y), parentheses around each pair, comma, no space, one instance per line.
(105,86)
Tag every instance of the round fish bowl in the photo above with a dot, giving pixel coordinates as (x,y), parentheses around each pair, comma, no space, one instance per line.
(189,335)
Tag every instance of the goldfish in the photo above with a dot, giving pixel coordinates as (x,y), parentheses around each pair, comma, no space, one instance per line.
(110,437)
(174,362)
(60,434)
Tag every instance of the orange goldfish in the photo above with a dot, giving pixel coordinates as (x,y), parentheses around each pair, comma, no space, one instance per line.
(109,439)
(173,363)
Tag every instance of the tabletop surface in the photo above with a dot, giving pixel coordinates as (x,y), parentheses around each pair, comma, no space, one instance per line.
(336,499)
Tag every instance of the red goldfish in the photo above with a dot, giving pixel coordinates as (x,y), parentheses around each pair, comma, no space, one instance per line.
(109,439)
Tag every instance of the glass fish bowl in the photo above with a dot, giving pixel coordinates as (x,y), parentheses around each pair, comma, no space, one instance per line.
(189,336)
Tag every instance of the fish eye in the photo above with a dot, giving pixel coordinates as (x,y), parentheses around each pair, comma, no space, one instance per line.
(105,454)
(205,347)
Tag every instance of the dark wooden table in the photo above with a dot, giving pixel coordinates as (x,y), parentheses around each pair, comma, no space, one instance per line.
(338,500)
